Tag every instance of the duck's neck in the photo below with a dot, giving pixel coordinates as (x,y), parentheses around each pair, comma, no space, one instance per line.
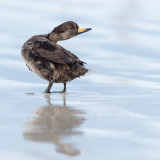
(53,37)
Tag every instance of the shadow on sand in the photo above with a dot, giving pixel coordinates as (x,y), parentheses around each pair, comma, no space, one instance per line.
(53,123)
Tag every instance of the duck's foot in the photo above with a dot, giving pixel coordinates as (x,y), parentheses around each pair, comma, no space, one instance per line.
(58,92)
(64,90)
(47,91)
(49,87)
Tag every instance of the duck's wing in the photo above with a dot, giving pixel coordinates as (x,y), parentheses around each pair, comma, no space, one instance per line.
(74,56)
(54,52)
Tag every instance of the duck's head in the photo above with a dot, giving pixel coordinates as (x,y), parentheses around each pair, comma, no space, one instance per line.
(65,31)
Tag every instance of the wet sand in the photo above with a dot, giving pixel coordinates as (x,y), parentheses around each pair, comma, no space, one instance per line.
(112,112)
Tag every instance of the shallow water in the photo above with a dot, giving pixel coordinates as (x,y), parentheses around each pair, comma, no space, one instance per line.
(112,112)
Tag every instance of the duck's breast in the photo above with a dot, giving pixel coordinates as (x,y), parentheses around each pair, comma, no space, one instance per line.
(36,63)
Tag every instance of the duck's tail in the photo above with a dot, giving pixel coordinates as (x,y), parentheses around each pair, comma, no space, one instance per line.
(91,71)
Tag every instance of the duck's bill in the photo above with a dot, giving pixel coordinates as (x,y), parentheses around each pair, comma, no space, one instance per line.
(83,30)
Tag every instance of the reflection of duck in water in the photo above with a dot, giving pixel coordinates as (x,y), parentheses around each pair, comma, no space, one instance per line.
(51,61)
(52,124)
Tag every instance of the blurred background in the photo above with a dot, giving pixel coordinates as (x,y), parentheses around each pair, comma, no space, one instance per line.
(113,112)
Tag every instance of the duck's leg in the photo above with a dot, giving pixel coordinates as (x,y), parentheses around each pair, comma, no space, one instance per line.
(64,90)
(49,87)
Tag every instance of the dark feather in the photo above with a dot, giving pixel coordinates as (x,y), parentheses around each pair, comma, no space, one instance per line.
(54,53)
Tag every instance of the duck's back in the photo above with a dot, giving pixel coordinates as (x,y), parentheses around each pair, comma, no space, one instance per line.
(51,61)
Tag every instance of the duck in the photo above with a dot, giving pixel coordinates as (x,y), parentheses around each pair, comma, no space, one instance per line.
(50,61)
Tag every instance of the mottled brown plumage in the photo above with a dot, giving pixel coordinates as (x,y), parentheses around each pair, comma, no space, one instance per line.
(51,61)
